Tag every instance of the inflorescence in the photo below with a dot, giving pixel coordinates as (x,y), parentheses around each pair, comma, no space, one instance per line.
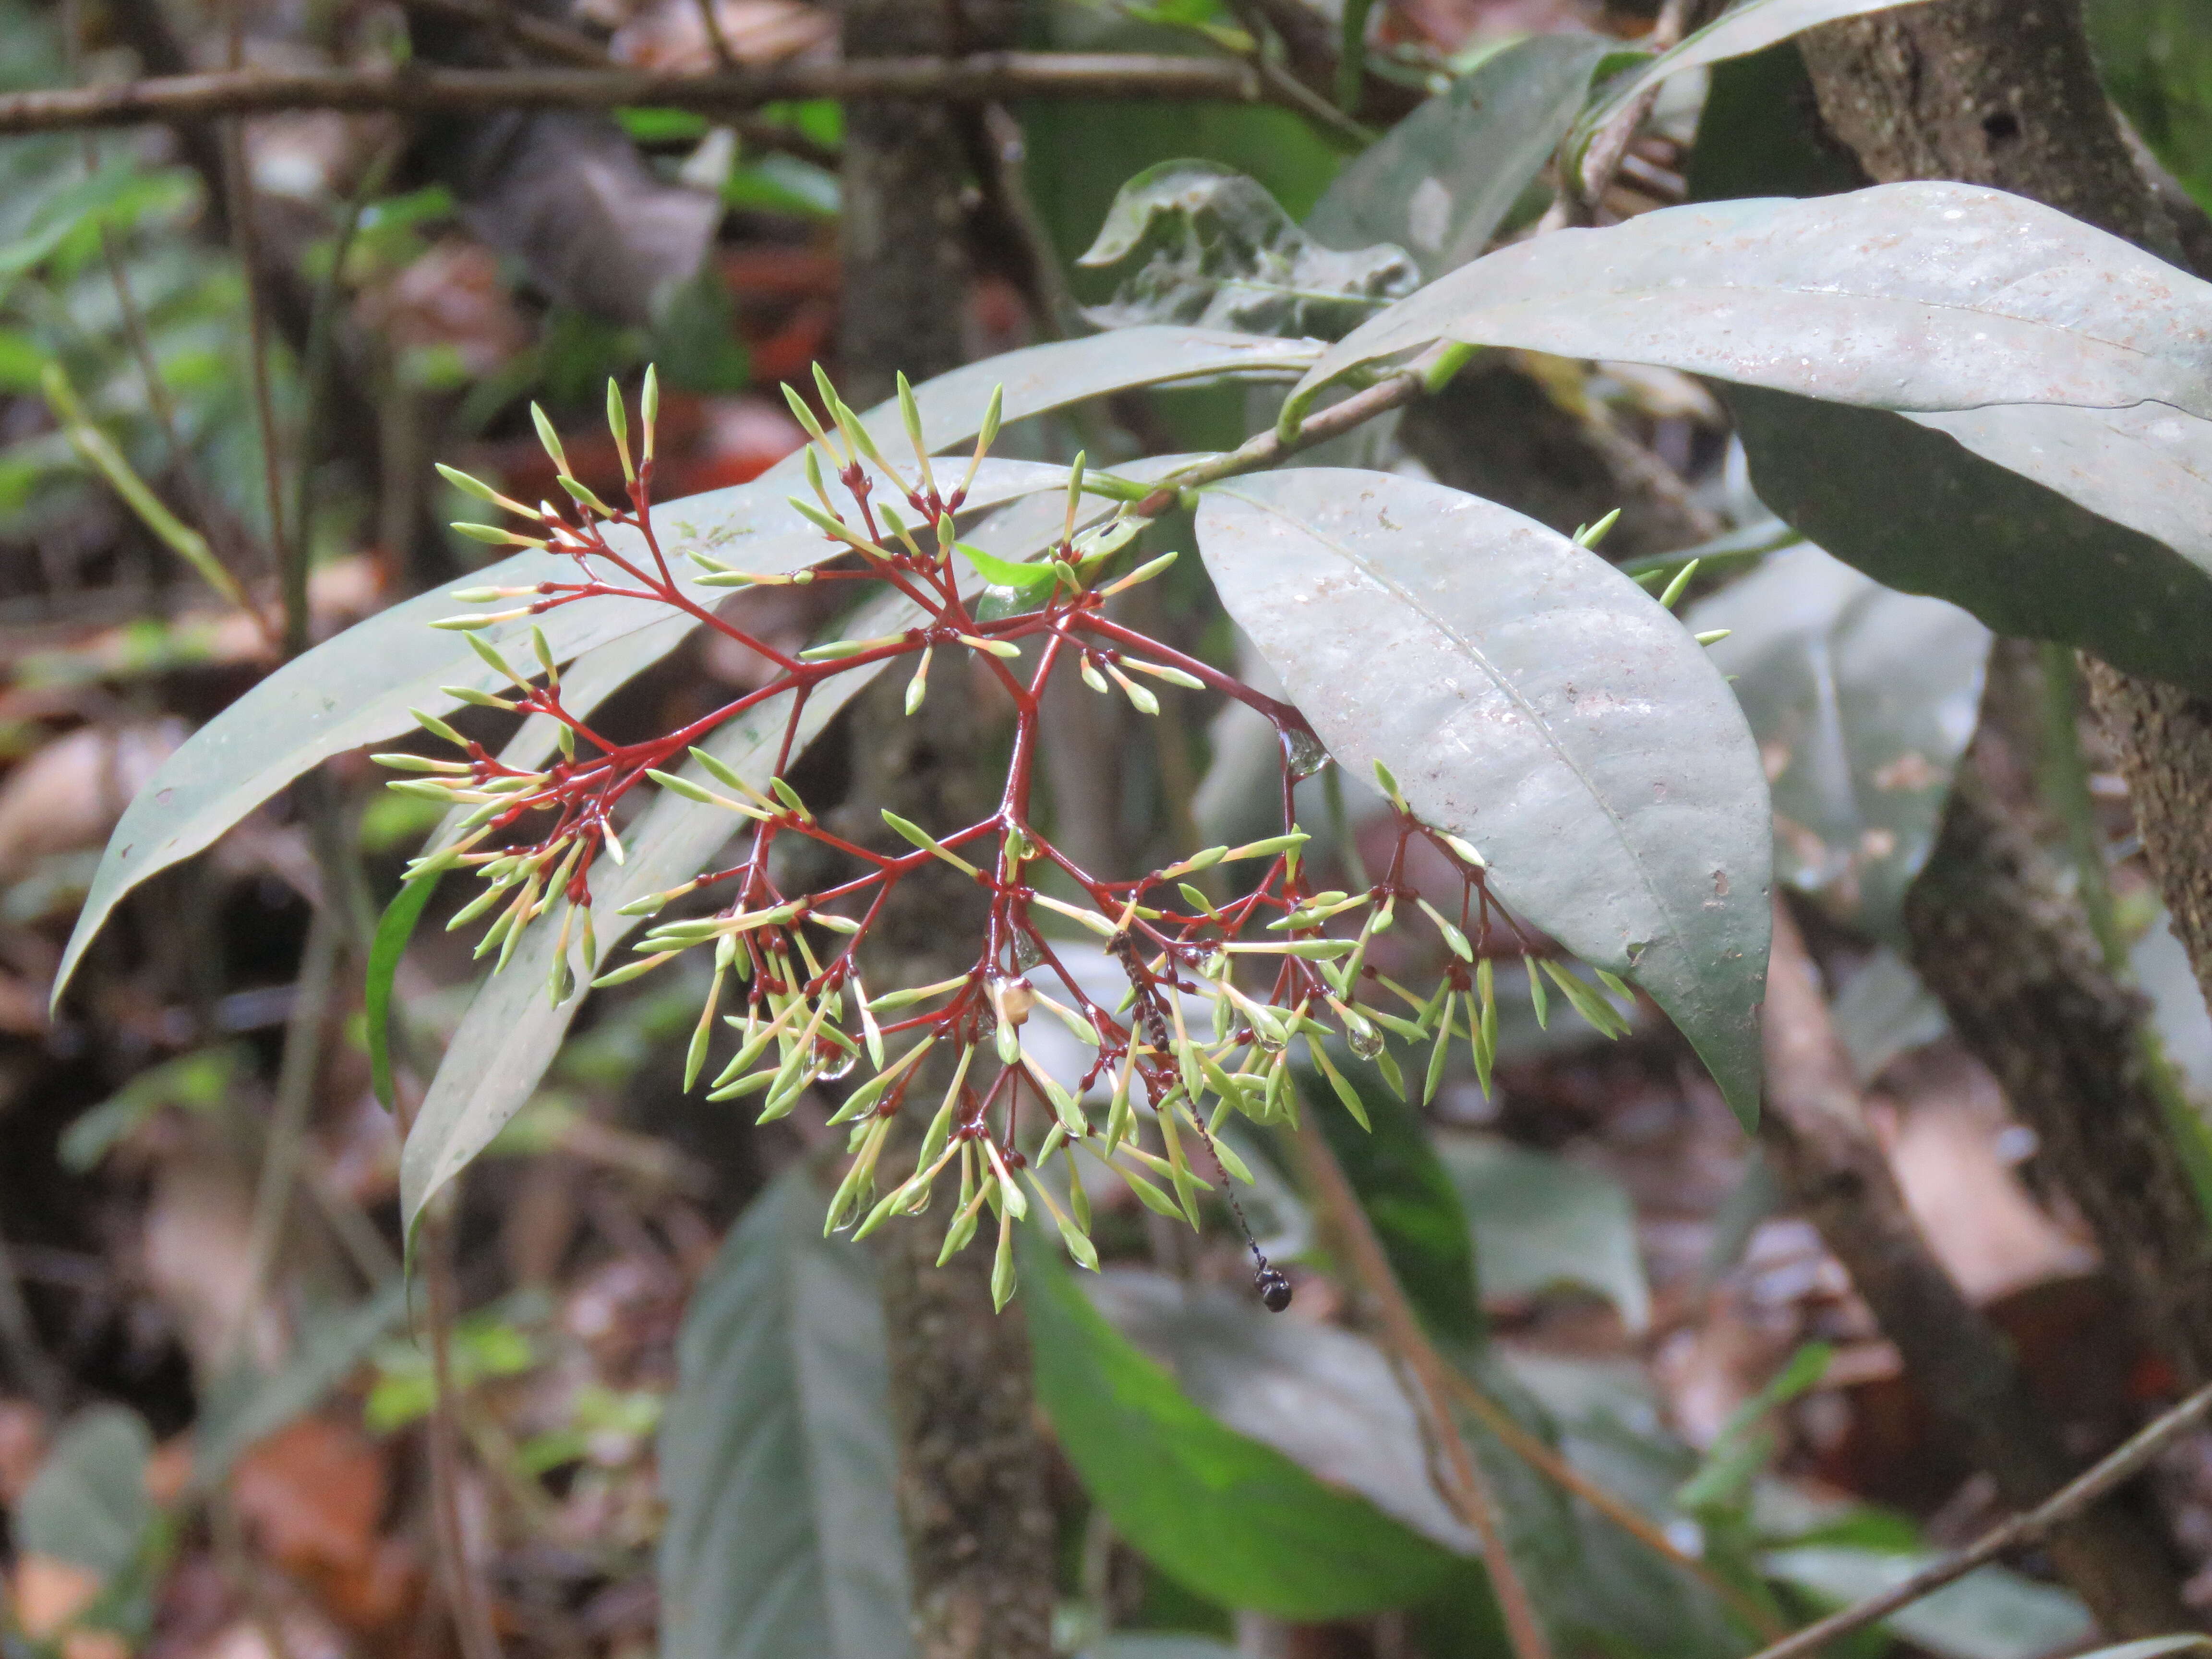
(1219,994)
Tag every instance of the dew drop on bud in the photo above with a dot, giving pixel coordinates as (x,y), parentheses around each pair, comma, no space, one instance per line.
(1304,753)
(837,1061)
(1366,1040)
(1212,964)
(1027,954)
(1274,1289)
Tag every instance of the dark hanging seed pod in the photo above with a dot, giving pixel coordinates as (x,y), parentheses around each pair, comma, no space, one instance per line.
(1273,1287)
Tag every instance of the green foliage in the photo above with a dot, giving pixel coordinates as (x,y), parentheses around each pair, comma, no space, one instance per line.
(1540,1222)
(1633,829)
(2155,59)
(1195,242)
(1235,1520)
(1861,699)
(776,1460)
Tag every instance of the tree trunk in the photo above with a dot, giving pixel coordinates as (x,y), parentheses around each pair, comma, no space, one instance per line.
(1814,1130)
(2004,93)
(972,1500)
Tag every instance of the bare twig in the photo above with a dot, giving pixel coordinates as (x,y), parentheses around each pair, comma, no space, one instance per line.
(2116,1470)
(1579,196)
(982,77)
(1467,1492)
(464,1594)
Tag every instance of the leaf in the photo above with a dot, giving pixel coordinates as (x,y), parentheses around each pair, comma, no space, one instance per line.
(357,688)
(2154,56)
(88,1503)
(1929,296)
(1323,1397)
(1861,699)
(1535,701)
(1198,243)
(2153,1647)
(2021,557)
(393,929)
(1884,1011)
(511,1033)
(1232,1519)
(117,196)
(1441,181)
(1410,1200)
(1750,26)
(330,1349)
(1540,1221)
(776,1455)
(1990,1614)
(1157,1644)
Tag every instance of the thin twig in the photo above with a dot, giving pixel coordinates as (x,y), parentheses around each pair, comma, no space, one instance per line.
(288,1123)
(1579,196)
(1468,1492)
(1262,450)
(246,237)
(322,333)
(982,77)
(2071,1500)
(1546,1462)
(471,1618)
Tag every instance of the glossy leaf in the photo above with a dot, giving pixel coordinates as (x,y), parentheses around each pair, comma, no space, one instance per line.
(1198,243)
(777,1459)
(1926,296)
(1752,26)
(1408,1197)
(1234,1520)
(1441,181)
(1861,699)
(393,929)
(1535,701)
(357,688)
(1916,511)
(1990,1614)
(1540,1222)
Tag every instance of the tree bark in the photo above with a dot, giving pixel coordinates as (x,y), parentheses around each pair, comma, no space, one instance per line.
(1814,1130)
(2004,93)
(972,1499)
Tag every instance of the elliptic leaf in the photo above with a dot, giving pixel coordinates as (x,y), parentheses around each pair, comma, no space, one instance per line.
(1532,699)
(1202,244)
(88,1503)
(1861,699)
(1990,1614)
(1540,1221)
(1441,182)
(357,688)
(1323,1397)
(1909,296)
(1752,26)
(1235,1520)
(777,1456)
(1914,509)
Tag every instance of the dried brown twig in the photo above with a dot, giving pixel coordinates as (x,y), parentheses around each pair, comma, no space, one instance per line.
(979,78)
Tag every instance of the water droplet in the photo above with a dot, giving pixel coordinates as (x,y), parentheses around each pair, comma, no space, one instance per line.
(1274,1288)
(1214,964)
(1366,1040)
(1027,953)
(1304,753)
(837,1061)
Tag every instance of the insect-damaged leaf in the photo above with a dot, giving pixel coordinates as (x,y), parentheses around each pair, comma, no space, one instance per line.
(1536,701)
(1203,244)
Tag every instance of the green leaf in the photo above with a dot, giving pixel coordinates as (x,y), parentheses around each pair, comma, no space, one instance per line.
(2021,557)
(1990,1614)
(2154,56)
(1194,242)
(357,688)
(1005,573)
(1232,1519)
(1409,1198)
(1540,1221)
(393,929)
(776,1455)
(1750,26)
(1918,297)
(1861,699)
(1537,702)
(117,196)
(87,1503)
(1441,181)
(511,1033)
